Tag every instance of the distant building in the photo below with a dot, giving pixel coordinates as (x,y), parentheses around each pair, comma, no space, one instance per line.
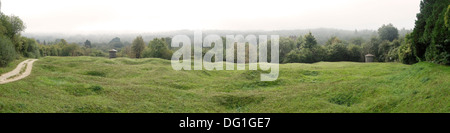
(112,53)
(369,57)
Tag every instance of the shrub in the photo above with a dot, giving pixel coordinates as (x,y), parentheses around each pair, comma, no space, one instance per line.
(7,51)
(305,55)
(337,52)
(405,52)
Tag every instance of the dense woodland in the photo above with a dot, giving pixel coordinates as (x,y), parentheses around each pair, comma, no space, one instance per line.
(12,44)
(428,41)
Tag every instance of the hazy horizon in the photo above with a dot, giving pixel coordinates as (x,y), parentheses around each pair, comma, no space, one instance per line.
(137,16)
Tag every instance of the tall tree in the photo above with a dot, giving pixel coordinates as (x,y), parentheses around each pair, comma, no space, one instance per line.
(357,41)
(7,51)
(299,42)
(63,42)
(371,47)
(158,48)
(116,43)
(70,50)
(12,24)
(138,46)
(310,41)
(333,40)
(430,37)
(87,44)
(388,32)
(286,45)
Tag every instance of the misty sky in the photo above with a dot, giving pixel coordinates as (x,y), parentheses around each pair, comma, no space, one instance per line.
(126,16)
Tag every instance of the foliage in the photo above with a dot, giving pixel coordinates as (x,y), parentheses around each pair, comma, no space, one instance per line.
(431,35)
(116,43)
(71,50)
(337,52)
(10,28)
(87,44)
(158,48)
(405,51)
(138,46)
(388,32)
(357,41)
(309,51)
(371,47)
(383,50)
(11,25)
(286,45)
(30,48)
(354,53)
(299,42)
(7,51)
(333,40)
(310,41)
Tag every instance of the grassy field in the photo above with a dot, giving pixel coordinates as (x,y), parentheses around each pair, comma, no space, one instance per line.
(90,84)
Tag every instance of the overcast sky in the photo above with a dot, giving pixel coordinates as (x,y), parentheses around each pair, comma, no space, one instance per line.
(114,16)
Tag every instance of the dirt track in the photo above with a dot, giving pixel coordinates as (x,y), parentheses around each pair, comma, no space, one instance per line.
(18,73)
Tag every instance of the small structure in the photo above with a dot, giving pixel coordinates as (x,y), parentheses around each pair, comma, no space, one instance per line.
(369,57)
(112,53)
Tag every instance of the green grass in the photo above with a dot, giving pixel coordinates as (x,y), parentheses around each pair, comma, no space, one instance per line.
(90,84)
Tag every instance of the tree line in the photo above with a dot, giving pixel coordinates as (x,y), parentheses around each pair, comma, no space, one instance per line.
(293,49)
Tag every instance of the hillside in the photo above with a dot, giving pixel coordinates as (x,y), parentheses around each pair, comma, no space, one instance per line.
(90,84)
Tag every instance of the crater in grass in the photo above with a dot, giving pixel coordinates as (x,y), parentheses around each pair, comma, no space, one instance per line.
(48,67)
(310,73)
(72,65)
(258,84)
(85,91)
(96,73)
(252,75)
(346,99)
(181,85)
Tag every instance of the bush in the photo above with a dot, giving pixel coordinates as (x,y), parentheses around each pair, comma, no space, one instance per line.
(337,52)
(97,53)
(305,55)
(7,51)
(30,48)
(405,52)
(354,53)
(157,48)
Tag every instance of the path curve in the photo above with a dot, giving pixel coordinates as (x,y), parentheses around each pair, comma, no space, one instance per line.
(15,74)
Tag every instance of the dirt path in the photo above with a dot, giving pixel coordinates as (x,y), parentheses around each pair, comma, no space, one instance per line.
(22,70)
